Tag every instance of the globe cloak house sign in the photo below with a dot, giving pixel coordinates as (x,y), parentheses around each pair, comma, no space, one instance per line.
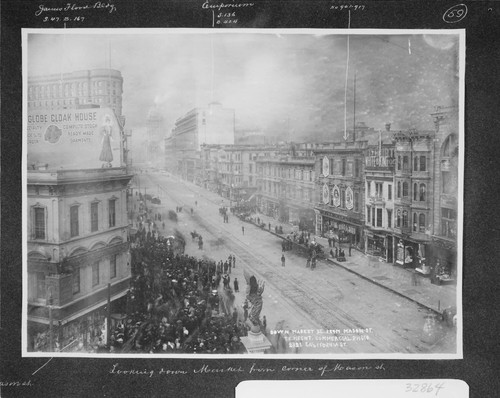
(73,139)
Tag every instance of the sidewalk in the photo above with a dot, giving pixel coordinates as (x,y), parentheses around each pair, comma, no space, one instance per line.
(414,287)
(402,282)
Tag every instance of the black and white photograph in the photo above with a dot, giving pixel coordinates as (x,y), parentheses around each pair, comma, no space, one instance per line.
(268,193)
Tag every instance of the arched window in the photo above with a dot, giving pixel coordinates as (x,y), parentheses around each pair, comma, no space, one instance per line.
(421,222)
(399,162)
(398,218)
(405,189)
(422,192)
(405,163)
(405,218)
(415,225)
(415,191)
(423,163)
(399,189)
(415,163)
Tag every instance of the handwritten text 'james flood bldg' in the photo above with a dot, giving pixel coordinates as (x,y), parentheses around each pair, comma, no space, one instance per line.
(77,228)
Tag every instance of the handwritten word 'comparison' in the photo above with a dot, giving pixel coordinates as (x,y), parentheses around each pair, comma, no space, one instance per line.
(73,7)
(207,6)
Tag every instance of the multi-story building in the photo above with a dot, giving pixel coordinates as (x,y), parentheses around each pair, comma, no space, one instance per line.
(340,188)
(379,195)
(155,134)
(211,125)
(231,170)
(443,256)
(101,87)
(414,197)
(286,188)
(77,228)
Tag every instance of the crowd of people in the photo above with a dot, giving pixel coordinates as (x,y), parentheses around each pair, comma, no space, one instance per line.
(178,303)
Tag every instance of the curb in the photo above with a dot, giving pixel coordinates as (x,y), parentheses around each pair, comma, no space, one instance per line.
(384,286)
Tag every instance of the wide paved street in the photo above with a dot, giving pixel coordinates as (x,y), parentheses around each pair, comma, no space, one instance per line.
(303,302)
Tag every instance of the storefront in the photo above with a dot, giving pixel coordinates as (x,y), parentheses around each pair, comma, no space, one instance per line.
(443,262)
(411,254)
(376,244)
(342,231)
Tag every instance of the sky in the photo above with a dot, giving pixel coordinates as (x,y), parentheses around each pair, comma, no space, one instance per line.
(297,85)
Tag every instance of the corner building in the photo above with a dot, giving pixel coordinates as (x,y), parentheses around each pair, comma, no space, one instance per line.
(77,229)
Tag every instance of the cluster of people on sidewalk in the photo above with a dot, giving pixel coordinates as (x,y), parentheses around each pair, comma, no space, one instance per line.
(176,304)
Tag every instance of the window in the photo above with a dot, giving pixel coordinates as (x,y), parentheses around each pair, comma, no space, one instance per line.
(94,218)
(389,218)
(378,189)
(389,191)
(356,167)
(379,217)
(405,219)
(423,165)
(405,189)
(421,222)
(356,202)
(398,218)
(422,192)
(373,217)
(344,165)
(415,226)
(112,213)
(76,281)
(399,189)
(95,274)
(399,162)
(39,223)
(342,198)
(112,267)
(368,216)
(448,223)
(415,191)
(73,220)
(40,285)
(405,163)
(415,163)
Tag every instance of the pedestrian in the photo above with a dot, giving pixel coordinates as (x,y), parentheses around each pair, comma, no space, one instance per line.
(234,261)
(243,229)
(236,285)
(336,252)
(245,310)
(350,248)
(282,260)
(264,323)
(269,226)
(308,263)
(331,252)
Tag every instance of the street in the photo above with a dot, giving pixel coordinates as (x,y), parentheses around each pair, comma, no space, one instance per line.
(321,311)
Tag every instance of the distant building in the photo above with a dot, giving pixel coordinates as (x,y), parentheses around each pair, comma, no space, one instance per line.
(213,125)
(286,189)
(101,87)
(155,133)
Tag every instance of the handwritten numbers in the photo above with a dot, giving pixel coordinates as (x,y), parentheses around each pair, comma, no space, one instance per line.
(354,7)
(424,388)
(455,14)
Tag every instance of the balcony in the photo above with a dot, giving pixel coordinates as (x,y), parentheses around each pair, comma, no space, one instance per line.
(376,200)
(379,163)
